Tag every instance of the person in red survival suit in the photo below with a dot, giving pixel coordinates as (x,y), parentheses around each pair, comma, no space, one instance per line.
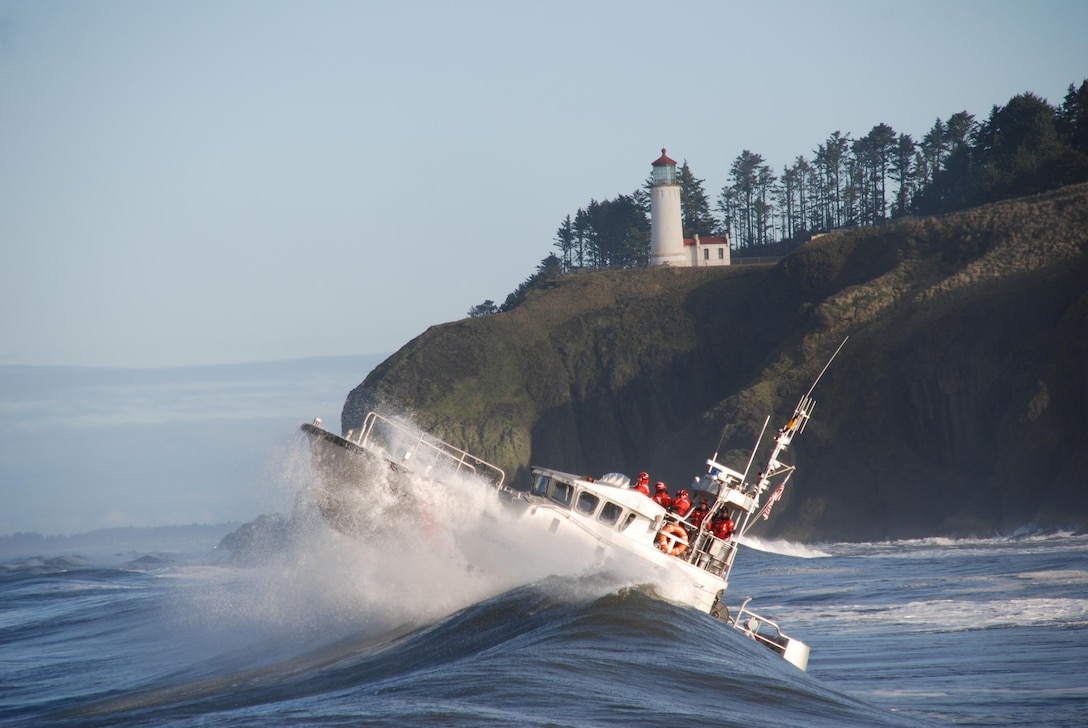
(700,513)
(681,504)
(662,495)
(722,525)
(643,484)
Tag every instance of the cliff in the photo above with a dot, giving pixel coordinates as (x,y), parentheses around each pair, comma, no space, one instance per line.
(956,408)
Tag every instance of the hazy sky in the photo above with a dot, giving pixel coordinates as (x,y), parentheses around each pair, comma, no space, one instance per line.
(214,182)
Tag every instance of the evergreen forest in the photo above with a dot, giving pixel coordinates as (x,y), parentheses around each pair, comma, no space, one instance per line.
(1025,147)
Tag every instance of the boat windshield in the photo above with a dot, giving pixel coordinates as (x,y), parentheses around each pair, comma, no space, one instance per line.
(562,492)
(540,486)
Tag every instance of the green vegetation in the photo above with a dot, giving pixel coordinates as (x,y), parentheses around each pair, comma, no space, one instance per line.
(1025,147)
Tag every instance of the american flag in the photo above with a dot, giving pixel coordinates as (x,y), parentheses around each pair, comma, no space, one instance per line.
(777,494)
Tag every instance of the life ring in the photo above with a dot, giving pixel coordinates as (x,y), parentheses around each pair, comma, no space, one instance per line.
(674,534)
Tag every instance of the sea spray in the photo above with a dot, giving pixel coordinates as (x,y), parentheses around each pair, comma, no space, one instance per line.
(421,550)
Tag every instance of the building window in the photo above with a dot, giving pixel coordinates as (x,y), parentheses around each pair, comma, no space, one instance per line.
(721,253)
(706,254)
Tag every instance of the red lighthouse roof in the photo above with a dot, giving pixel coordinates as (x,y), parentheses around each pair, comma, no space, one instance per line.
(664,160)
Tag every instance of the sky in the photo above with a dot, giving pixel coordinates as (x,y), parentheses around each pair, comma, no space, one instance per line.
(194,183)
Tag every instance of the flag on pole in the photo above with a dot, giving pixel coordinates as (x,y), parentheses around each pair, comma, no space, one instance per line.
(776,495)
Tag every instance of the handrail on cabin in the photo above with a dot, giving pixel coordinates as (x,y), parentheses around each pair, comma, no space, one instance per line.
(413,444)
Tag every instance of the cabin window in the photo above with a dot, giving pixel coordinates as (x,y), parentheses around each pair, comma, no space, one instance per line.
(721,253)
(562,492)
(540,487)
(587,503)
(627,521)
(706,253)
(610,513)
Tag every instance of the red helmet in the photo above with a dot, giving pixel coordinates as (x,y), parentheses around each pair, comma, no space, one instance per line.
(643,476)
(661,486)
(683,492)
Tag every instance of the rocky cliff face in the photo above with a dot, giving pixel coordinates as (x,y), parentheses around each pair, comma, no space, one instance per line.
(956,408)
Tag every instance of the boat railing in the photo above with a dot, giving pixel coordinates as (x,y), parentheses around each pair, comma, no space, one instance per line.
(752,624)
(714,554)
(755,626)
(705,550)
(420,451)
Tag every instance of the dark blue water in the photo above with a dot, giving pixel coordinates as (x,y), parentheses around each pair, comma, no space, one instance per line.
(464,620)
(332,632)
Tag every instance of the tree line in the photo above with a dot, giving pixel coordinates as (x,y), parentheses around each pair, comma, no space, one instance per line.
(1025,147)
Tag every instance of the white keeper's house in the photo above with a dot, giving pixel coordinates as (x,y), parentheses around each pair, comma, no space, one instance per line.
(668,246)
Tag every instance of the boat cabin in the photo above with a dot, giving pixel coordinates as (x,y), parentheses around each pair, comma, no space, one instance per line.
(608,506)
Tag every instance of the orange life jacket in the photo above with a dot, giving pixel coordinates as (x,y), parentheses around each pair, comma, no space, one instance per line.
(722,527)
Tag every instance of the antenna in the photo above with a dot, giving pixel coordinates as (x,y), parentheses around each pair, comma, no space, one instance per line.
(821,374)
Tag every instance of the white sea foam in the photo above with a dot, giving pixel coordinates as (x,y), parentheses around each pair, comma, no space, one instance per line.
(956,615)
(784,548)
(422,557)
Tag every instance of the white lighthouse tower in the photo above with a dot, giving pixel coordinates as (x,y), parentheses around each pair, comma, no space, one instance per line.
(666,229)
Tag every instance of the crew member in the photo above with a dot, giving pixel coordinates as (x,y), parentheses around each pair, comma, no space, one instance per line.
(700,513)
(681,504)
(662,496)
(643,484)
(722,525)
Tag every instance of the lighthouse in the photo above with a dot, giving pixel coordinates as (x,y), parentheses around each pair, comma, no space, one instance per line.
(666,228)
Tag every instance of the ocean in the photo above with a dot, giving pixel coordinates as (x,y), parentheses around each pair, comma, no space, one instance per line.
(466,620)
(325,630)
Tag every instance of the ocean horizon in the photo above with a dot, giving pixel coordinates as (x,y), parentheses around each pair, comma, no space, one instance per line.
(90,448)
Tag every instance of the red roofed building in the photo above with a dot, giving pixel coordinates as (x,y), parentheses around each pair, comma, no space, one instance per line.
(708,250)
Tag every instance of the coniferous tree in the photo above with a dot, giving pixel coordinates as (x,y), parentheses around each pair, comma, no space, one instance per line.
(787,200)
(616,232)
(581,237)
(1073,118)
(932,151)
(765,180)
(486,308)
(949,188)
(903,172)
(1017,146)
(831,161)
(565,241)
(728,208)
(859,195)
(961,131)
(750,177)
(883,140)
(694,205)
